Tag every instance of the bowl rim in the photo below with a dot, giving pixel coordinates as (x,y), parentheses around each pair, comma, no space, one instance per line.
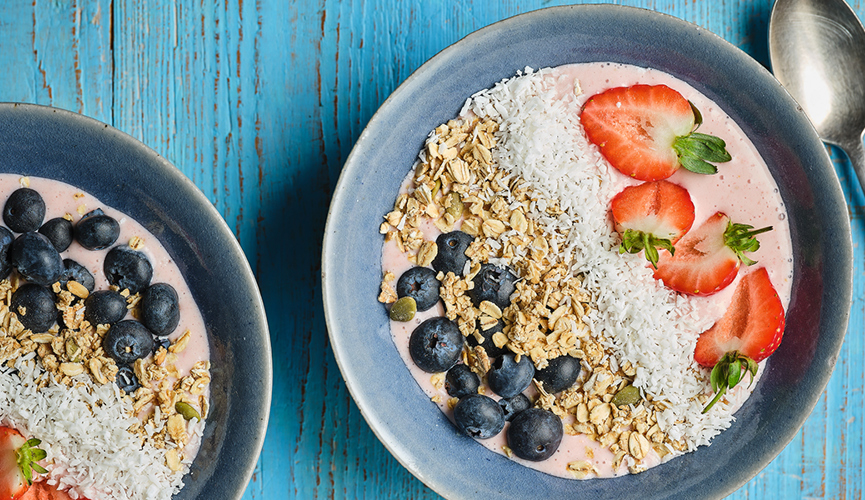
(330,285)
(240,472)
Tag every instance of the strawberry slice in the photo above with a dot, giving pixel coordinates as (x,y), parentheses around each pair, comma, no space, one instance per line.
(44,491)
(748,333)
(707,259)
(652,215)
(18,459)
(648,132)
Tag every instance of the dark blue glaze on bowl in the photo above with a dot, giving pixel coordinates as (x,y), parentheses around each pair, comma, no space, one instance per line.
(404,419)
(125,174)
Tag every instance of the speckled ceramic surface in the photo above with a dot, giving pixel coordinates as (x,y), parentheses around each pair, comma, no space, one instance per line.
(401,415)
(125,174)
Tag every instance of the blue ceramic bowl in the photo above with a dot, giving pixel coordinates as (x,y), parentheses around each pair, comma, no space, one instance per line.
(404,419)
(125,174)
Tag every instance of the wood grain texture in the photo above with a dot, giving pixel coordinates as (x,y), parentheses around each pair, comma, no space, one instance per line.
(259,102)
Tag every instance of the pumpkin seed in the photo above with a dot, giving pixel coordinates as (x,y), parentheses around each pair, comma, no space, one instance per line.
(187,410)
(72,349)
(456,206)
(629,395)
(403,309)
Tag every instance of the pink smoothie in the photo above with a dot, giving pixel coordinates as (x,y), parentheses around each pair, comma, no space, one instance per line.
(743,189)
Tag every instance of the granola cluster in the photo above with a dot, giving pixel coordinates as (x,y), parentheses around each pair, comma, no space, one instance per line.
(63,352)
(174,399)
(166,401)
(458,184)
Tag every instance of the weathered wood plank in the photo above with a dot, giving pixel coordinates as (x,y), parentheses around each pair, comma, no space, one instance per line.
(58,54)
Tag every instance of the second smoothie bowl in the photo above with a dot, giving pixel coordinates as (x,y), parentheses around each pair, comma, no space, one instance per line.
(134,346)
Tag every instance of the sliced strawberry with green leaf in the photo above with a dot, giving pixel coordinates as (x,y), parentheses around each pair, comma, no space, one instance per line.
(652,215)
(707,259)
(648,131)
(18,459)
(749,332)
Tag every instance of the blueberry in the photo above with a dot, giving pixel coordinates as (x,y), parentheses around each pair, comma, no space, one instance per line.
(127,341)
(507,378)
(37,302)
(513,406)
(493,283)
(96,230)
(126,379)
(451,256)
(162,342)
(435,345)
(560,374)
(419,283)
(104,307)
(6,239)
(489,346)
(73,271)
(535,434)
(36,259)
(461,381)
(479,416)
(24,210)
(127,269)
(59,233)
(160,312)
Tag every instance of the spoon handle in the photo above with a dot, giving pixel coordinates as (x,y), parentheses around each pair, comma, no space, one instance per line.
(855,150)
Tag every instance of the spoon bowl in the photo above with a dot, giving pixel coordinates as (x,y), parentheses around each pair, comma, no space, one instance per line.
(817,49)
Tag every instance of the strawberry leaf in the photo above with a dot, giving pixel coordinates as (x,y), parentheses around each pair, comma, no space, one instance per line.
(697,165)
(696,150)
(634,241)
(728,372)
(27,456)
(717,377)
(698,117)
(752,369)
(709,147)
(741,238)
(734,373)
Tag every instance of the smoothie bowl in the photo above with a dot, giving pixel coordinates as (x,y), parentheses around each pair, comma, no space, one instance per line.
(135,351)
(493,133)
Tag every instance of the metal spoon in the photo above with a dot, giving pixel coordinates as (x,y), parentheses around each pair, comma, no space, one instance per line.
(817,49)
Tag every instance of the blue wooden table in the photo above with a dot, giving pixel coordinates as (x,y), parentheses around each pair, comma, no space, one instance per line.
(259,103)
